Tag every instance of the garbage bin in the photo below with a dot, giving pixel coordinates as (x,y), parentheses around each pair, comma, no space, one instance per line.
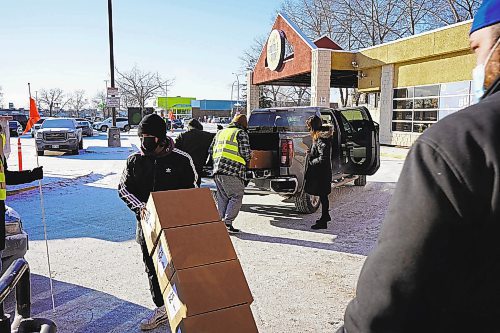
(114,137)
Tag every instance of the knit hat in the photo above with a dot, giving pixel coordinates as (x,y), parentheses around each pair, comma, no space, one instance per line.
(240,119)
(193,123)
(154,125)
(487,14)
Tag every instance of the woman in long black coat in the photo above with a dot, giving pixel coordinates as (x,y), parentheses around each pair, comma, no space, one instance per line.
(319,171)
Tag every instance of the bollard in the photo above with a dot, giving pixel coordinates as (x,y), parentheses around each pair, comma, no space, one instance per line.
(114,137)
(19,154)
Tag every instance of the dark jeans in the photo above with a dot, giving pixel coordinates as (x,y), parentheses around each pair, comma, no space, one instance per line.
(325,206)
(154,286)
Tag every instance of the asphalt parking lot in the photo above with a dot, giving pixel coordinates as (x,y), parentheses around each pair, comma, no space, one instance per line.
(301,279)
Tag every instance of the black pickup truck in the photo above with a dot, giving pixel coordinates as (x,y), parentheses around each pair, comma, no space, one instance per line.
(281,136)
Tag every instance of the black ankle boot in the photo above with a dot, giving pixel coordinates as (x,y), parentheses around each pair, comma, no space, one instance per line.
(319,225)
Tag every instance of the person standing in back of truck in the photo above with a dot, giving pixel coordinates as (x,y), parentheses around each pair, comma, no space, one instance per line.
(196,142)
(319,170)
(159,166)
(230,151)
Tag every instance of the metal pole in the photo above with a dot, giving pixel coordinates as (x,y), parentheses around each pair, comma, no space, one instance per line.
(238,93)
(111,55)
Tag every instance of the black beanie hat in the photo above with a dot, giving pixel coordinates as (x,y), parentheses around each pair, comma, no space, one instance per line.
(195,124)
(154,125)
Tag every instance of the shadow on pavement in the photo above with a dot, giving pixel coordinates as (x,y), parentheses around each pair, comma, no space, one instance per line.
(357,214)
(83,310)
(101,213)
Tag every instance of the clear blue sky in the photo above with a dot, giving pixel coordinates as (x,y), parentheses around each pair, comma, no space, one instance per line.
(64,44)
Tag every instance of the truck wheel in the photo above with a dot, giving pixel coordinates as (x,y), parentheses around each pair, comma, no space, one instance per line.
(40,152)
(306,203)
(75,152)
(104,128)
(80,144)
(360,181)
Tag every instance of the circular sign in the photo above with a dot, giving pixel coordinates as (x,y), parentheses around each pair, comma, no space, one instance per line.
(275,50)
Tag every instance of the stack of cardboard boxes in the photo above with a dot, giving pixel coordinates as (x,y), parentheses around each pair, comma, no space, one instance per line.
(201,279)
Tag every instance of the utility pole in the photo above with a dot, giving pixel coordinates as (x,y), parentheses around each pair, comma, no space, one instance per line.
(113,132)
(238,92)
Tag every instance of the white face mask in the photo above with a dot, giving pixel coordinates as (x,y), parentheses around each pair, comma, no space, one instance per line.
(478,75)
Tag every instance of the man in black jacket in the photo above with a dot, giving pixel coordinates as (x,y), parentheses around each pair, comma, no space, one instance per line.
(436,267)
(196,143)
(11,178)
(158,167)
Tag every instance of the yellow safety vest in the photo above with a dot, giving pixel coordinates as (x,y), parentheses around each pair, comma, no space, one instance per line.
(3,187)
(226,145)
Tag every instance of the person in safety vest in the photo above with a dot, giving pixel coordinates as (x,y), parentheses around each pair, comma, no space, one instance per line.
(436,265)
(230,152)
(11,178)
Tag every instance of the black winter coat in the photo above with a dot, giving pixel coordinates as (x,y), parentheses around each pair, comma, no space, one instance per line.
(436,267)
(319,170)
(146,174)
(12,178)
(196,143)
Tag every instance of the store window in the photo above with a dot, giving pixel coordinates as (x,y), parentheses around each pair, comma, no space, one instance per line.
(416,108)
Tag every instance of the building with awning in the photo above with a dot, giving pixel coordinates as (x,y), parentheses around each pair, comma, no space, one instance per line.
(408,84)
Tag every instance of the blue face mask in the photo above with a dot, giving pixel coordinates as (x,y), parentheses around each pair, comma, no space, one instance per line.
(478,75)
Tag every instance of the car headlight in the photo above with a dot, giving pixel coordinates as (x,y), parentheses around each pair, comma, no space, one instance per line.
(71,135)
(39,135)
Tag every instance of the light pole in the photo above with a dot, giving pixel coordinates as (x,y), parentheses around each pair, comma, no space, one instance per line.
(238,93)
(232,99)
(113,132)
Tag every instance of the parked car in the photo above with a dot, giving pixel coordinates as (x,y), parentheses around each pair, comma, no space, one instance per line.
(16,239)
(15,128)
(21,118)
(37,126)
(121,123)
(177,124)
(59,134)
(279,140)
(86,127)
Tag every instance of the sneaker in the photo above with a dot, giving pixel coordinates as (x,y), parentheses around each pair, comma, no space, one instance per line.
(232,229)
(154,319)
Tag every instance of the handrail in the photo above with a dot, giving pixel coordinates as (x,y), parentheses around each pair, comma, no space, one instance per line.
(16,276)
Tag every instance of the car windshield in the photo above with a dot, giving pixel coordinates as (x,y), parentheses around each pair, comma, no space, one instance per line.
(291,119)
(58,123)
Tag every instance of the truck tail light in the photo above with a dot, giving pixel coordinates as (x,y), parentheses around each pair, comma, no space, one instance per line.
(286,152)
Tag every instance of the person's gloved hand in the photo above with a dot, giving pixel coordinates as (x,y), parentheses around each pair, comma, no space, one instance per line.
(37,173)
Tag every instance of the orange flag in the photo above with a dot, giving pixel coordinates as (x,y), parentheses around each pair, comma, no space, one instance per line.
(34,116)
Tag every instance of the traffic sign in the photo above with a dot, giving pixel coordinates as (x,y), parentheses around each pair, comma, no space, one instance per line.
(112,91)
(113,102)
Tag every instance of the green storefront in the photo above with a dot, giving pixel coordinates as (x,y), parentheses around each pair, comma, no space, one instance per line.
(180,106)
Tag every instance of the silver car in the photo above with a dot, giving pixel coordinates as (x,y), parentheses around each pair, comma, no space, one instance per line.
(16,239)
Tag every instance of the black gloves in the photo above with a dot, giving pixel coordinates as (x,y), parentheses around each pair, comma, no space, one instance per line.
(37,173)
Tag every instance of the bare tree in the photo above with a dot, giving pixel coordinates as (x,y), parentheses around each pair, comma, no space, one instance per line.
(53,98)
(99,101)
(140,86)
(78,101)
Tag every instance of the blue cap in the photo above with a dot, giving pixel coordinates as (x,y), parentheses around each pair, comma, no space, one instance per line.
(487,14)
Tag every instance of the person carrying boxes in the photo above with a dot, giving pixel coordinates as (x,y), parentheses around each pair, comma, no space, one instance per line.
(159,166)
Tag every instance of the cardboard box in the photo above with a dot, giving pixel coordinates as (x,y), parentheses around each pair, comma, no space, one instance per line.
(170,209)
(231,320)
(191,246)
(262,159)
(198,290)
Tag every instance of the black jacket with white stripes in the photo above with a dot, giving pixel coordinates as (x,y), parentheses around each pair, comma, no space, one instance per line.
(145,174)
